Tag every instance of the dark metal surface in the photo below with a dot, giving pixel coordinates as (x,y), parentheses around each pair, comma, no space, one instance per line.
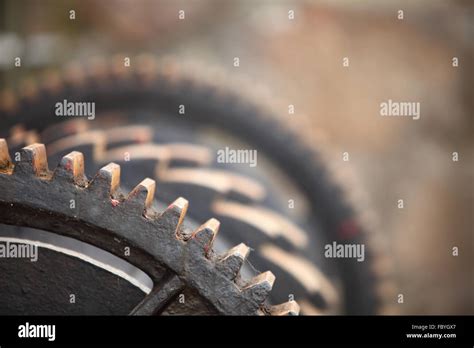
(31,288)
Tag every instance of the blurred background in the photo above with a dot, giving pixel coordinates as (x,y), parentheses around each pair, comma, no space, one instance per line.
(300,61)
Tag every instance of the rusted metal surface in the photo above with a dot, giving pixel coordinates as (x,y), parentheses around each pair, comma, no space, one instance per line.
(161,245)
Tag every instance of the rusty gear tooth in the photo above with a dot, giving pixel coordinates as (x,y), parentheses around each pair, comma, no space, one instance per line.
(52,81)
(220,181)
(20,137)
(63,129)
(387,289)
(287,308)
(259,287)
(307,274)
(5,160)
(190,152)
(96,138)
(31,137)
(205,235)
(175,213)
(74,74)
(259,219)
(71,168)
(98,68)
(117,67)
(141,197)
(141,151)
(170,69)
(33,160)
(8,101)
(29,89)
(231,262)
(147,67)
(107,180)
(135,134)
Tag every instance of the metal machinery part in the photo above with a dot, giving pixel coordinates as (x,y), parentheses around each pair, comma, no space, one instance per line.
(138,116)
(174,256)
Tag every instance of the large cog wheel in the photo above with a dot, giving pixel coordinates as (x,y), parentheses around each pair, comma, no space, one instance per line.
(36,197)
(149,93)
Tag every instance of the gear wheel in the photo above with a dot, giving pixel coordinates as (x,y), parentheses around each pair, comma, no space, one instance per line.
(150,94)
(159,240)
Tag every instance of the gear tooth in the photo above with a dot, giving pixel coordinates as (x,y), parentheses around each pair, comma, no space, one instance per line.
(33,160)
(382,265)
(142,195)
(220,182)
(74,74)
(170,69)
(389,309)
(5,160)
(287,308)
(8,101)
(260,286)
(259,219)
(205,235)
(386,289)
(98,68)
(175,213)
(71,167)
(117,67)
(29,89)
(147,65)
(107,180)
(52,81)
(231,262)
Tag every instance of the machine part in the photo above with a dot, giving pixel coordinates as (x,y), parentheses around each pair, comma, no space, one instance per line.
(156,89)
(173,256)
